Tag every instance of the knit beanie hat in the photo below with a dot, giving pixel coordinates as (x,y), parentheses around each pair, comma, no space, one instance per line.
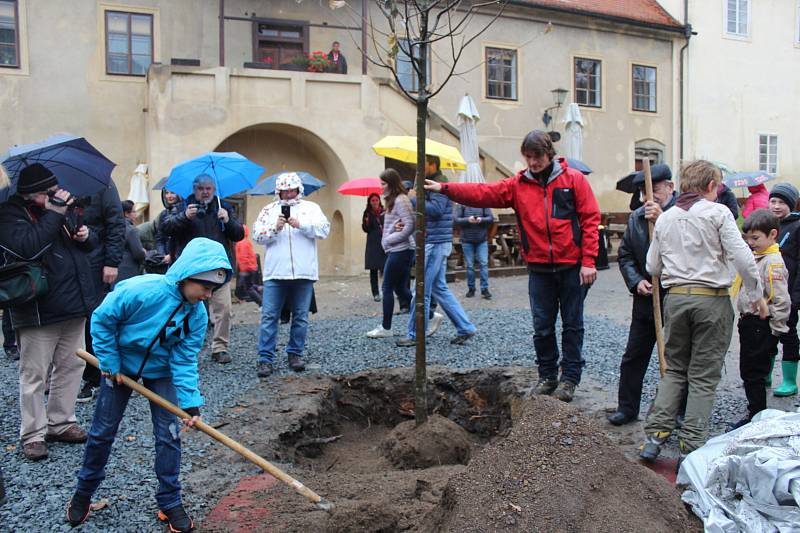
(786,192)
(35,178)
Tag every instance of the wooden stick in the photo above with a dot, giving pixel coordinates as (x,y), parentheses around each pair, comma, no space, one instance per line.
(251,456)
(648,193)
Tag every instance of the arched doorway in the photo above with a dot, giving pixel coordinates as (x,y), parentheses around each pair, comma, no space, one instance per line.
(283,147)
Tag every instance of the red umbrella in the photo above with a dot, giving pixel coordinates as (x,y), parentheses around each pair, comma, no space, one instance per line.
(361,187)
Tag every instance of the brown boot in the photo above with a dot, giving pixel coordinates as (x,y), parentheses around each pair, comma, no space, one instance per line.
(35,451)
(74,434)
(565,391)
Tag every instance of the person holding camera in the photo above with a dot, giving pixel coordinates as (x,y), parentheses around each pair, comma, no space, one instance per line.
(289,229)
(207,216)
(37,224)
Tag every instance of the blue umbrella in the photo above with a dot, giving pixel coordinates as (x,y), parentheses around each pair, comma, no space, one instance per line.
(747,179)
(80,168)
(267,186)
(232,173)
(160,183)
(578,165)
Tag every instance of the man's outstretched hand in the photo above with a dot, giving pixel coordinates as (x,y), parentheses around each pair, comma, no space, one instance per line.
(433,186)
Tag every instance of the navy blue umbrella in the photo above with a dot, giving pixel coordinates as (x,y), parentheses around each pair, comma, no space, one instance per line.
(746,179)
(80,168)
(578,165)
(267,186)
(160,183)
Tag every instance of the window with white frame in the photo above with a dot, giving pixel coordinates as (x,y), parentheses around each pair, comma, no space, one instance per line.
(644,88)
(737,17)
(501,73)
(129,43)
(405,69)
(587,82)
(9,34)
(768,153)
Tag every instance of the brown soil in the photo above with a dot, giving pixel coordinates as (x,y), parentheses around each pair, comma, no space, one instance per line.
(553,470)
(439,441)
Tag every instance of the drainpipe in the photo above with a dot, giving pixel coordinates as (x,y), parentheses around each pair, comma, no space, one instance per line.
(364,8)
(222,33)
(687,29)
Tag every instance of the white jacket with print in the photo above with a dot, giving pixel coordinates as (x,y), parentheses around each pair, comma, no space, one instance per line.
(292,252)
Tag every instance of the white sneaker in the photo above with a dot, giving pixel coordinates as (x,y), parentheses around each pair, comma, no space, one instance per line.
(434,323)
(380,333)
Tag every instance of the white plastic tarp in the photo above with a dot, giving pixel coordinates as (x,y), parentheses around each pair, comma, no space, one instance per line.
(467,119)
(748,480)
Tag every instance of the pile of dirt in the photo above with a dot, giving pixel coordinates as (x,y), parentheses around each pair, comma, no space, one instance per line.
(439,441)
(557,471)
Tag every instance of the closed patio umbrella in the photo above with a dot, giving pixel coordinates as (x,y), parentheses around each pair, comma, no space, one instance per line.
(573,132)
(467,125)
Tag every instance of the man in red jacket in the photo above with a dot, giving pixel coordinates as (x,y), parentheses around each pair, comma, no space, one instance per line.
(557,217)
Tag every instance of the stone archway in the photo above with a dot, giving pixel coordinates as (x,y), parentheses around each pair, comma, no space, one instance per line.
(284,147)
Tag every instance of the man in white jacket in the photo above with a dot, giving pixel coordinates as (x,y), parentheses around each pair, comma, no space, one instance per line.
(288,228)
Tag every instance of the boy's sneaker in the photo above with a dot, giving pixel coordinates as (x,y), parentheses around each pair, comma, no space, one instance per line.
(545,386)
(651,446)
(177,519)
(565,391)
(434,323)
(380,333)
(86,393)
(485,294)
(78,509)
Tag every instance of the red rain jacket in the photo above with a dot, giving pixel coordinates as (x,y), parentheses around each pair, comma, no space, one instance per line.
(558,223)
(245,254)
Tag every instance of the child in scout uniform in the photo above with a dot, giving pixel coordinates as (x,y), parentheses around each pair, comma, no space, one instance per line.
(693,246)
(758,337)
(152,327)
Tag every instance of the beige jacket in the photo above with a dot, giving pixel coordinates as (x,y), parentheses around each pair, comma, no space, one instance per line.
(698,247)
(774,278)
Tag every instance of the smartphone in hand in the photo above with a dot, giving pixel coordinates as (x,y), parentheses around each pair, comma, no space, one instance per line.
(286,211)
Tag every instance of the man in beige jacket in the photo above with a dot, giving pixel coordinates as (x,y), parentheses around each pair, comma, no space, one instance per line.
(694,246)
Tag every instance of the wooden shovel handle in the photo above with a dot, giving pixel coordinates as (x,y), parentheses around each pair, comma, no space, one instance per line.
(251,456)
(648,193)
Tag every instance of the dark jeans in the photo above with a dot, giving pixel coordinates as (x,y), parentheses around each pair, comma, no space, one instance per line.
(9,337)
(111,403)
(550,292)
(91,374)
(395,280)
(635,360)
(790,341)
(374,274)
(757,344)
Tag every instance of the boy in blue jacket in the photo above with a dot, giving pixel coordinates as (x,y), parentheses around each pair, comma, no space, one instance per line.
(152,327)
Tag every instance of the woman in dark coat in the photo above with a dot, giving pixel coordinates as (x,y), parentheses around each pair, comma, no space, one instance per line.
(374,256)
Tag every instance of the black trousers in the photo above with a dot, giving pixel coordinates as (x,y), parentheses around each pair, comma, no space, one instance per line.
(635,360)
(373,281)
(790,341)
(757,344)
(91,374)
(9,336)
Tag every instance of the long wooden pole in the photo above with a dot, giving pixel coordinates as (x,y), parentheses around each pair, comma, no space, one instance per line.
(251,456)
(648,193)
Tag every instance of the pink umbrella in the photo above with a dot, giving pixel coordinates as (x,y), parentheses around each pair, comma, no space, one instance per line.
(361,187)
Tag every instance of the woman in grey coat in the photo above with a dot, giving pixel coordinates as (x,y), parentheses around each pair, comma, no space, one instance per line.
(398,247)
(133,253)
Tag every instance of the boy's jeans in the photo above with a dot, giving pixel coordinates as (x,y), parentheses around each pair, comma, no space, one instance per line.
(297,293)
(481,250)
(549,291)
(111,403)
(436,285)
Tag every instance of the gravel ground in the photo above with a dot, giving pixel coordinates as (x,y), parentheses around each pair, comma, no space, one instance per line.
(39,491)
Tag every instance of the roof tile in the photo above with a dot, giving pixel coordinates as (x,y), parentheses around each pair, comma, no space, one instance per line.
(647,11)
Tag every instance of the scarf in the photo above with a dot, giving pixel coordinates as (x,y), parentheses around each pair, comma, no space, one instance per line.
(687,199)
(737,283)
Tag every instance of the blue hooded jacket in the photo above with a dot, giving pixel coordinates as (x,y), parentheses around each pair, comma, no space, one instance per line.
(151,306)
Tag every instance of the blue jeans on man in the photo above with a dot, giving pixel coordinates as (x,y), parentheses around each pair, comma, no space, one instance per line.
(111,403)
(436,286)
(295,292)
(549,292)
(479,250)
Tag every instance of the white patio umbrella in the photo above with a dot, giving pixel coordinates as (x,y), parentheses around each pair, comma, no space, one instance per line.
(138,193)
(467,118)
(573,133)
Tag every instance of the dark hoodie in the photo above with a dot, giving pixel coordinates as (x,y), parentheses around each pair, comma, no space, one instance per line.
(789,242)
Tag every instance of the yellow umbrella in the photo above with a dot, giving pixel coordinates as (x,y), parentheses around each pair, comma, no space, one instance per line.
(404,148)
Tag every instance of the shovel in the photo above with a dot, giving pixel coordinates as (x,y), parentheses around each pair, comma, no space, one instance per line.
(251,456)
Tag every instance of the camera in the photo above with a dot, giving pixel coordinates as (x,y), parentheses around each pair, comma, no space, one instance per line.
(202,210)
(73,218)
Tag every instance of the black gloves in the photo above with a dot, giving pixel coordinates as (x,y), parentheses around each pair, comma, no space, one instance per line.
(193,411)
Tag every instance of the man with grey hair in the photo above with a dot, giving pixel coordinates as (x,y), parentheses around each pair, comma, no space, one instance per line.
(208,216)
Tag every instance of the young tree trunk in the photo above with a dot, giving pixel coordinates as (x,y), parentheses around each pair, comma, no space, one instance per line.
(420,378)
